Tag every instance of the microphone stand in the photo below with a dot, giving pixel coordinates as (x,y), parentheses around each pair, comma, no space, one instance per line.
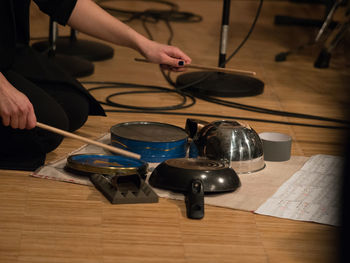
(73,65)
(72,46)
(217,83)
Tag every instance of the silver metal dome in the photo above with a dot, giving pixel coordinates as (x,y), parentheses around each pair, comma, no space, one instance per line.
(231,142)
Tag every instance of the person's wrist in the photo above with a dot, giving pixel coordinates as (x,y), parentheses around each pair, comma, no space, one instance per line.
(3,81)
(141,45)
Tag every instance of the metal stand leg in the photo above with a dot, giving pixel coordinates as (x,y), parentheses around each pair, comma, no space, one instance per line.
(74,66)
(305,22)
(324,56)
(326,26)
(216,83)
(72,46)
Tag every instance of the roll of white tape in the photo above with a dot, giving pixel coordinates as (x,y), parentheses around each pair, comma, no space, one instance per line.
(276,146)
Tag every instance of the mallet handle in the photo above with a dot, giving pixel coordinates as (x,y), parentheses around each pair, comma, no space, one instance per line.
(102,145)
(217,69)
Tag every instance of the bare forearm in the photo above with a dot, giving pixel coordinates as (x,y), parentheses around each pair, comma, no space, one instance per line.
(89,18)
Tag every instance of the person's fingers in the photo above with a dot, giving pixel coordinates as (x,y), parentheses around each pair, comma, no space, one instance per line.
(165,66)
(173,62)
(181,69)
(14,121)
(179,55)
(19,117)
(31,119)
(16,110)
(175,69)
(5,119)
(22,120)
(172,56)
(175,57)
(21,113)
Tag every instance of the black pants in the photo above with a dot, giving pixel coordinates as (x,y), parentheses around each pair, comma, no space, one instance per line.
(56,103)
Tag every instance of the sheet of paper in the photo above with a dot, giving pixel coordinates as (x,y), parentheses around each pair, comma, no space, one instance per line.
(311,194)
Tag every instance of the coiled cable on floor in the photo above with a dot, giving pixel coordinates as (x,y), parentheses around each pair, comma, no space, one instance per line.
(187,100)
(153,16)
(168,110)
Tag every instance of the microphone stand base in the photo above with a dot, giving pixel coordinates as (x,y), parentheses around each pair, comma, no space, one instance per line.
(220,84)
(86,49)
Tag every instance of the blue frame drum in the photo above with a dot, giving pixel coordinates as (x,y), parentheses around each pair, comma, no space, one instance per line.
(154,141)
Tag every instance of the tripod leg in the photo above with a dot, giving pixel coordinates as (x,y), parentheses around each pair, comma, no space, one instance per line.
(328,20)
(324,57)
(326,25)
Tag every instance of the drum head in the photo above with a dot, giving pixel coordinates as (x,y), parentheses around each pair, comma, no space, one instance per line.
(149,131)
(154,141)
(106,164)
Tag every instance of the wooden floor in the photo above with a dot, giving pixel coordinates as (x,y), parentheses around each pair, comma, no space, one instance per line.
(48,221)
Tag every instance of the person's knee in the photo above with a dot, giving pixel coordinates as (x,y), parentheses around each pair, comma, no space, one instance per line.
(48,141)
(74,103)
(47,111)
(78,113)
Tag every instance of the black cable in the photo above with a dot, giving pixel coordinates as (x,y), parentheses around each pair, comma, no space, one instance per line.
(223,117)
(154,89)
(254,108)
(159,110)
(209,74)
(270,111)
(172,6)
(173,15)
(243,106)
(248,34)
(156,15)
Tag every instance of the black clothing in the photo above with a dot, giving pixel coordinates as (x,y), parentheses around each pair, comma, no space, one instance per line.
(14,23)
(39,68)
(56,105)
(58,99)
(14,32)
(7,34)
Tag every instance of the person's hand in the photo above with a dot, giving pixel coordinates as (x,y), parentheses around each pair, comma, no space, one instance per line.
(169,57)
(106,27)
(15,108)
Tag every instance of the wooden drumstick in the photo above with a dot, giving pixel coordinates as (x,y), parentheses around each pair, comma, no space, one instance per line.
(217,69)
(102,145)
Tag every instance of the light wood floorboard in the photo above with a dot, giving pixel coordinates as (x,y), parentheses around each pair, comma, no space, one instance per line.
(48,221)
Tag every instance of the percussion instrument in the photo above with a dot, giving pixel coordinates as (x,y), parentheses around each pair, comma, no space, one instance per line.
(154,141)
(194,178)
